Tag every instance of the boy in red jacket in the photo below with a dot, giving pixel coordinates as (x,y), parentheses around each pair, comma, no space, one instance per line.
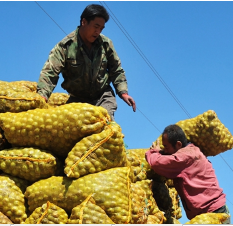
(192,173)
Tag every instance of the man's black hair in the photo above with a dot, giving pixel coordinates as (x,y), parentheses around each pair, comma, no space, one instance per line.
(92,11)
(174,134)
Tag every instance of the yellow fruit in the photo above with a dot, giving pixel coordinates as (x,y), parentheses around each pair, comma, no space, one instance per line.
(68,193)
(4,219)
(28,163)
(209,218)
(57,99)
(12,200)
(91,154)
(89,213)
(35,126)
(207,132)
(48,214)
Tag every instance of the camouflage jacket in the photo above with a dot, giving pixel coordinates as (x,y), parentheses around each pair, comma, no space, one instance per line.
(82,77)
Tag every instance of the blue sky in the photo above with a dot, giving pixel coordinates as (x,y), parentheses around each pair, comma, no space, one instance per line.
(178,58)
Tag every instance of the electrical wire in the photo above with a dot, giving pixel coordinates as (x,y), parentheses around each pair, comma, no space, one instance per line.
(50,17)
(149,120)
(146,60)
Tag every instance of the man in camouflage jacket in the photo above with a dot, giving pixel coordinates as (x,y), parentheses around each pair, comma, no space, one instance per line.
(88,63)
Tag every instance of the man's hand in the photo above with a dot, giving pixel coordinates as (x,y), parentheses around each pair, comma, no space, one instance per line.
(45,99)
(129,100)
(156,145)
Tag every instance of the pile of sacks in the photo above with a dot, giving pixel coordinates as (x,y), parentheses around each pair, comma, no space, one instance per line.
(207,132)
(67,163)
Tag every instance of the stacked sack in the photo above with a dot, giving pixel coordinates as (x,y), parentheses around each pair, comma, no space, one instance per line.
(207,132)
(162,188)
(97,152)
(30,164)
(19,96)
(48,213)
(209,218)
(67,164)
(53,129)
(57,99)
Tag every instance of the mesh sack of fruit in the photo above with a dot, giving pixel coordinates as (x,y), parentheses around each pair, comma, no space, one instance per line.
(17,86)
(30,164)
(175,209)
(143,203)
(159,218)
(89,213)
(24,86)
(97,152)
(21,101)
(54,129)
(48,213)
(169,182)
(12,201)
(140,166)
(209,218)
(207,132)
(4,219)
(21,183)
(110,189)
(57,99)
(19,96)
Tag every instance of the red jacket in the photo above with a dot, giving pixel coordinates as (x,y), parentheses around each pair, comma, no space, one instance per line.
(194,178)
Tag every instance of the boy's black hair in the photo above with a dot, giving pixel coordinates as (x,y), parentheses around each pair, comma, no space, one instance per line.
(174,134)
(92,11)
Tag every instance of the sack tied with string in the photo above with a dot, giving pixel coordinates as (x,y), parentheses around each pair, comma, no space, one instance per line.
(207,132)
(30,164)
(97,152)
(110,189)
(54,129)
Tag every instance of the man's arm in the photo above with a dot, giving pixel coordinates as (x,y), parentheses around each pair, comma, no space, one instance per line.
(50,72)
(169,166)
(117,75)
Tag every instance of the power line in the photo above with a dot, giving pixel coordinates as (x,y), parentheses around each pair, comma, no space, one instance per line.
(147,61)
(226,162)
(231,170)
(50,17)
(149,120)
